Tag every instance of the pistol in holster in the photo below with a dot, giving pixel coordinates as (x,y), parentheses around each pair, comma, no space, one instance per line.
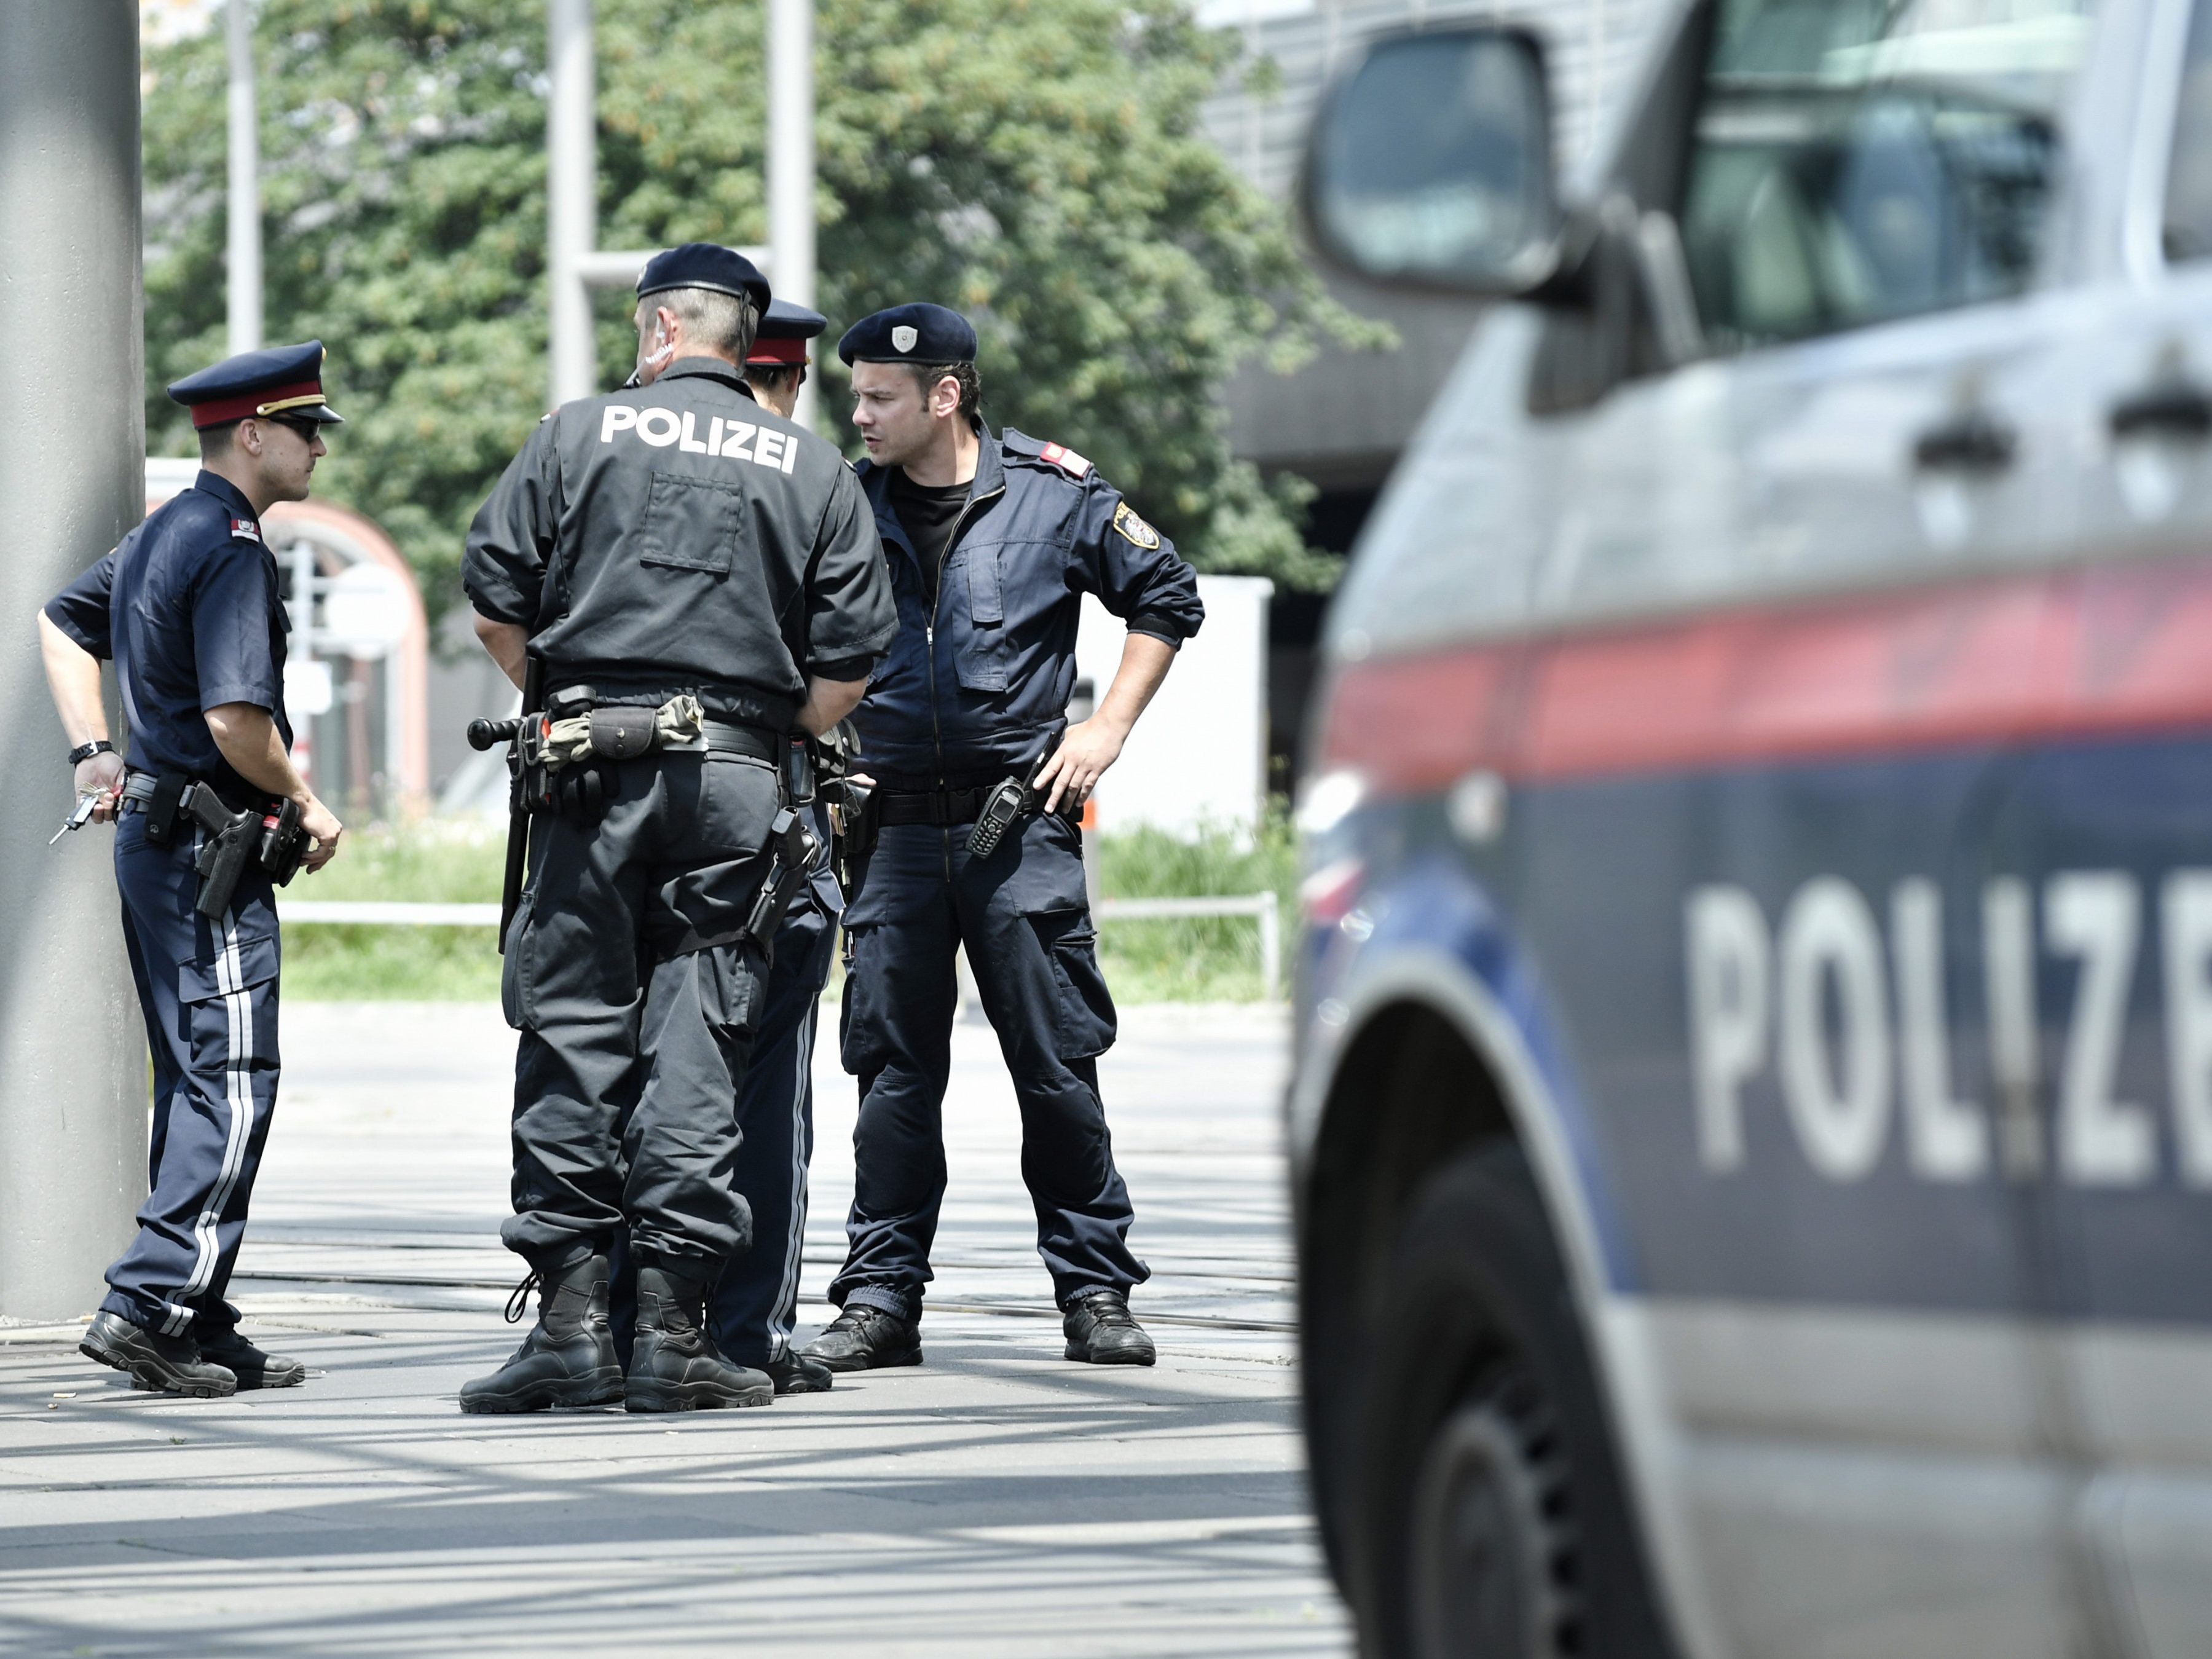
(794,850)
(238,842)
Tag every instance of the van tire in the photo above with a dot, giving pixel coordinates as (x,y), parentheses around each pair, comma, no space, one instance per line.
(1491,1519)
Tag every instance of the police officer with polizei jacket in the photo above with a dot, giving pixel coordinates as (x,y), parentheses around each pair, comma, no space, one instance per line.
(210,817)
(754,1304)
(992,542)
(690,580)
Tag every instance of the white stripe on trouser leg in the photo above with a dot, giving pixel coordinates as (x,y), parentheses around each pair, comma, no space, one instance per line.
(238,1095)
(780,1316)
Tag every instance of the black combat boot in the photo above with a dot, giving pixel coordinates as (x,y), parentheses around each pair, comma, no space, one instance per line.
(252,1367)
(568,1358)
(793,1373)
(166,1364)
(674,1366)
(865,1339)
(1102,1331)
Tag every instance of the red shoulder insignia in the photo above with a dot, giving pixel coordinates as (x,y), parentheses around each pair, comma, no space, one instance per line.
(1066,459)
(246,530)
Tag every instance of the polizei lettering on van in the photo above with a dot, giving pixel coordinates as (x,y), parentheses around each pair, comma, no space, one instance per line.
(1844,1000)
(731,440)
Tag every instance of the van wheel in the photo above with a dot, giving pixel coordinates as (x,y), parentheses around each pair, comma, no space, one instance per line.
(1492,1521)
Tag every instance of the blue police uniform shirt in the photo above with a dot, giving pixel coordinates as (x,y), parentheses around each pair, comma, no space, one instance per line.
(187,606)
(975,679)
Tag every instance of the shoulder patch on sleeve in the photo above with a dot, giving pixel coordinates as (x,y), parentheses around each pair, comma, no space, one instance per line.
(1134,530)
(1066,459)
(246,530)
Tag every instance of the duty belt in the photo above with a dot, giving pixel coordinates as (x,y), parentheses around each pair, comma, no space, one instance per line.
(939,806)
(946,806)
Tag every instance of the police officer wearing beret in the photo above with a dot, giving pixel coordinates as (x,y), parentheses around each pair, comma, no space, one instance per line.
(992,542)
(696,578)
(188,610)
(755,1301)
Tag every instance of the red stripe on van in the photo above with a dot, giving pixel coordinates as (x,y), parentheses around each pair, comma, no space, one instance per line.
(2111,649)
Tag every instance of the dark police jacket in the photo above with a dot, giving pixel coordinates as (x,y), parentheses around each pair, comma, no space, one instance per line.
(678,538)
(968,692)
(187,606)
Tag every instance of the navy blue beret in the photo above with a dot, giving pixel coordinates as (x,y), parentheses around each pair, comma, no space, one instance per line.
(276,380)
(785,329)
(917,332)
(704,264)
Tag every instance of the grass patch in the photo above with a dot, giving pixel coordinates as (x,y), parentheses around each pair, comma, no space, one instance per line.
(438,861)
(1205,959)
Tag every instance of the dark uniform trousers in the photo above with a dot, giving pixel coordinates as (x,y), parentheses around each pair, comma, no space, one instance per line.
(209,992)
(1025,920)
(755,1301)
(636,1003)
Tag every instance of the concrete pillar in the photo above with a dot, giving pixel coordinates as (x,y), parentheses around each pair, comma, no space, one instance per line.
(791,165)
(572,172)
(73,1081)
(244,283)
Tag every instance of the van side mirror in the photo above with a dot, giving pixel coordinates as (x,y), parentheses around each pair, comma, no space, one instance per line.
(1429,164)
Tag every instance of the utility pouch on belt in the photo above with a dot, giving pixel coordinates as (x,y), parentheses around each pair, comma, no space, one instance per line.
(283,843)
(620,734)
(160,808)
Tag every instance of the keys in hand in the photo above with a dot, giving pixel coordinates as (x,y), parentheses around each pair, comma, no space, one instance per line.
(78,819)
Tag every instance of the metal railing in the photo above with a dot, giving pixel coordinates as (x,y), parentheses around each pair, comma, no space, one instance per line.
(1261,907)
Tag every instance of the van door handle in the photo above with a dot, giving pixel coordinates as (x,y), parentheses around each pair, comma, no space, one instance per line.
(1974,442)
(2165,409)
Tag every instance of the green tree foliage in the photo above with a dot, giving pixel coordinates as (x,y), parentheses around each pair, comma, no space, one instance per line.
(1033,162)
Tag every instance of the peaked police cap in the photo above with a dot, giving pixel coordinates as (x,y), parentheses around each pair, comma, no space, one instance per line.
(917,332)
(785,329)
(275,380)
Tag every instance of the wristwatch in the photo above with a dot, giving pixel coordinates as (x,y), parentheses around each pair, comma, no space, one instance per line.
(85,751)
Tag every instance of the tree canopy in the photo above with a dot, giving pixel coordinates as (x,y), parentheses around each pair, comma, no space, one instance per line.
(1035,163)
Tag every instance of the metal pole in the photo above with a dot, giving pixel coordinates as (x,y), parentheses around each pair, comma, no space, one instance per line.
(571,196)
(73,1091)
(245,183)
(791,161)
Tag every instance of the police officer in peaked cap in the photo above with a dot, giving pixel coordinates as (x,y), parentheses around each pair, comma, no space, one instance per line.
(992,541)
(777,366)
(187,608)
(695,579)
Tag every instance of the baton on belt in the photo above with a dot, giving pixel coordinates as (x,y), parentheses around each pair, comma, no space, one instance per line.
(521,762)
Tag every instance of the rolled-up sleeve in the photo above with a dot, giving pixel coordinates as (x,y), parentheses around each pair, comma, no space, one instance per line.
(231,603)
(1133,569)
(850,611)
(81,609)
(511,540)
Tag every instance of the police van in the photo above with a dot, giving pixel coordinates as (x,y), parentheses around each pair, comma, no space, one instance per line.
(1753,1113)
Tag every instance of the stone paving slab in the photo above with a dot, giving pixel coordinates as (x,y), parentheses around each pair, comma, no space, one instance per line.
(994,1501)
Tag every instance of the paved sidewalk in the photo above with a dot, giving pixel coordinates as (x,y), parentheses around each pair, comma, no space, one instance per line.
(996,1501)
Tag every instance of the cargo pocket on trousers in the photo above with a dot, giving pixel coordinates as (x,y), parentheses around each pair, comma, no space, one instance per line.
(863,1031)
(242,960)
(1085,1019)
(516,992)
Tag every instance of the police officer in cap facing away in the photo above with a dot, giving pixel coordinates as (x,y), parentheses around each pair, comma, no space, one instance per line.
(696,580)
(211,815)
(991,544)
(751,1310)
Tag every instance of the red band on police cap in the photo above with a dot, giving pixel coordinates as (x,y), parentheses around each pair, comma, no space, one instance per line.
(299,394)
(776,354)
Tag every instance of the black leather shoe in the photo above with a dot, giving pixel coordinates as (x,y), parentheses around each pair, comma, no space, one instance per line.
(865,1339)
(167,1364)
(252,1367)
(674,1366)
(567,1358)
(793,1373)
(1102,1331)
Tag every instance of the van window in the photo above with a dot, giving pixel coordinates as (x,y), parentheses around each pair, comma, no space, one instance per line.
(2189,172)
(1861,162)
